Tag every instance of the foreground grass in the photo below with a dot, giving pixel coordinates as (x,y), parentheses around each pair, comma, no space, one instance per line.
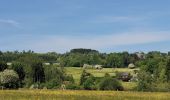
(80,95)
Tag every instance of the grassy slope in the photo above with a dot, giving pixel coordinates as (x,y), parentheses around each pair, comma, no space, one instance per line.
(80,95)
(76,72)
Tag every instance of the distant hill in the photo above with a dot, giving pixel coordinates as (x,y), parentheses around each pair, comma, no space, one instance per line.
(83,51)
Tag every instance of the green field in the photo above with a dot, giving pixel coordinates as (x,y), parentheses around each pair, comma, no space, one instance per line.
(76,72)
(80,95)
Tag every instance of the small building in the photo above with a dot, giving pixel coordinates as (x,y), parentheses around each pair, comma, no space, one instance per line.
(140,55)
(124,76)
(9,63)
(46,64)
(87,66)
(98,67)
(58,64)
(131,66)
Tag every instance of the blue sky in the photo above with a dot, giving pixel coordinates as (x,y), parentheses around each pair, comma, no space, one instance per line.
(105,25)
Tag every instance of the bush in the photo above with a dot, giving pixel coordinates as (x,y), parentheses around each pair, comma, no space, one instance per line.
(53,83)
(84,77)
(69,78)
(89,84)
(144,81)
(9,79)
(107,75)
(109,83)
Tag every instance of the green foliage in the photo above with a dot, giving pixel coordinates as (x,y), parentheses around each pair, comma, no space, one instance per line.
(3,66)
(109,83)
(54,76)
(84,76)
(19,68)
(53,83)
(28,66)
(69,78)
(161,72)
(168,70)
(145,81)
(89,84)
(107,75)
(49,57)
(83,51)
(152,64)
(38,72)
(114,60)
(161,87)
(154,72)
(9,79)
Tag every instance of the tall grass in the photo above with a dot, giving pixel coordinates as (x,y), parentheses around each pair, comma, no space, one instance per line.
(80,95)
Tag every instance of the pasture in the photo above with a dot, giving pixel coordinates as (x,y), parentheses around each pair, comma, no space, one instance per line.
(76,72)
(80,95)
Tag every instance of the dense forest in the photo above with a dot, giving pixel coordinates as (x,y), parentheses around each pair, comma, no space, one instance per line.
(77,57)
(29,69)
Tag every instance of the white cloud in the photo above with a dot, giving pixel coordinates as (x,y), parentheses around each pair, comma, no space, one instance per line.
(61,43)
(9,23)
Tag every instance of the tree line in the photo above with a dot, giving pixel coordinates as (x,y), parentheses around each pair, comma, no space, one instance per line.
(27,69)
(76,57)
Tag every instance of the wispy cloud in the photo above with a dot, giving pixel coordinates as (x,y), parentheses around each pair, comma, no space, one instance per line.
(59,43)
(9,22)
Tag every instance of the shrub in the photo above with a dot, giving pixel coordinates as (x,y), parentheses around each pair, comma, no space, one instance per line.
(89,84)
(56,76)
(53,83)
(107,75)
(9,79)
(84,77)
(109,83)
(144,81)
(69,78)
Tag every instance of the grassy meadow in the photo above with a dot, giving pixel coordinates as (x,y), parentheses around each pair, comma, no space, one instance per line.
(76,72)
(80,95)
